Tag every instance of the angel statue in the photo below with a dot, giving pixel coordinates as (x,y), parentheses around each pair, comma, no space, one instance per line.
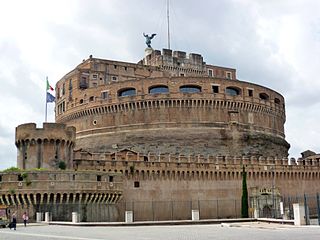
(148,39)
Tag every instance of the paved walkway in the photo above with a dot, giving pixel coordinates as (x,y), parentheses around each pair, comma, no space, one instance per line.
(238,231)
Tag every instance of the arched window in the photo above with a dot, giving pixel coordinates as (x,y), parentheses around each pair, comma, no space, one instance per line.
(158,89)
(277,101)
(81,101)
(233,91)
(264,96)
(190,89)
(126,92)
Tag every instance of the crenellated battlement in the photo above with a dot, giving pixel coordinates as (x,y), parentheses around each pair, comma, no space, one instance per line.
(126,158)
(45,147)
(49,131)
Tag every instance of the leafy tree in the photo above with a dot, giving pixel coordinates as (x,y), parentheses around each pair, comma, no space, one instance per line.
(62,165)
(244,198)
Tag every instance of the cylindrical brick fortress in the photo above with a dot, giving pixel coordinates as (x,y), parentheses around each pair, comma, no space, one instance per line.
(162,113)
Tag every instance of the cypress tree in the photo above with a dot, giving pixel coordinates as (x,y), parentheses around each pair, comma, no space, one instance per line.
(244,198)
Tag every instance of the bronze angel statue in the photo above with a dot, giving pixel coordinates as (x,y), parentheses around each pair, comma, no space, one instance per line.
(148,39)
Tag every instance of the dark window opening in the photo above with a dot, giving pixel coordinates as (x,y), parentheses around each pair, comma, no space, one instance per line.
(91,98)
(181,74)
(127,92)
(83,83)
(73,177)
(104,95)
(98,178)
(0,178)
(158,89)
(63,89)
(110,178)
(232,91)
(136,184)
(20,178)
(264,96)
(215,89)
(190,89)
(250,92)
(277,100)
(81,101)
(210,73)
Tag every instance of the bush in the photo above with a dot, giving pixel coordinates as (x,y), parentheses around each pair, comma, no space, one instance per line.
(62,165)
(12,169)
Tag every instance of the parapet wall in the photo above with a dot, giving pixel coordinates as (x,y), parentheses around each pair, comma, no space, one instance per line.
(44,147)
(181,177)
(53,187)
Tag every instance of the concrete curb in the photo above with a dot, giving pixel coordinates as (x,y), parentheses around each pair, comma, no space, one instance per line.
(223,222)
(154,223)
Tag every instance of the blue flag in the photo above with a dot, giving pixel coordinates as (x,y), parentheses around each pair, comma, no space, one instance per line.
(50,98)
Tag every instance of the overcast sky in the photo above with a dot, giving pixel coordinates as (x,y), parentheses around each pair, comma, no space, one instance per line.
(274,43)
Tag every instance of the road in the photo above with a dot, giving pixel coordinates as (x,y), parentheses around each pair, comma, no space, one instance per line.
(241,231)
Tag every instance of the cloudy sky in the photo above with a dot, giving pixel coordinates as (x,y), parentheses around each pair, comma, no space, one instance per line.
(275,43)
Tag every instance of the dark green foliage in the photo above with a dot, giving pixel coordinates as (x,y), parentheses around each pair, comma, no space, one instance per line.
(244,198)
(62,165)
(12,169)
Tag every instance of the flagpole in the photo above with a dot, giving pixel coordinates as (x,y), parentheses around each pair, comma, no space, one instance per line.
(46,98)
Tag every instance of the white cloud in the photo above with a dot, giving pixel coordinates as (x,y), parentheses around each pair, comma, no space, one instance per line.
(272,43)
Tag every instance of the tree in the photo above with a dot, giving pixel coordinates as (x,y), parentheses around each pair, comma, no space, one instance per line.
(244,198)
(62,165)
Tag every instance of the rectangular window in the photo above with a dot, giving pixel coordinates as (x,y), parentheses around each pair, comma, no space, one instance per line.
(136,184)
(63,106)
(210,72)
(73,177)
(98,178)
(114,78)
(20,178)
(104,95)
(229,75)
(215,89)
(63,89)
(0,178)
(95,66)
(94,76)
(250,92)
(110,178)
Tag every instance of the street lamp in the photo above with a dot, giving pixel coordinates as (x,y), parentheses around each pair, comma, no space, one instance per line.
(273,197)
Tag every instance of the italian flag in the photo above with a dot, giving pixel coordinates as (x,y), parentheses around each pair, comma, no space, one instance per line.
(48,86)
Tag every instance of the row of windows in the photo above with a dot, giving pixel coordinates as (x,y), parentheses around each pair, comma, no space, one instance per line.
(162,89)
(231,91)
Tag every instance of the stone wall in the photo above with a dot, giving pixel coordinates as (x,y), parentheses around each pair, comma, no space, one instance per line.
(53,187)
(44,147)
(214,123)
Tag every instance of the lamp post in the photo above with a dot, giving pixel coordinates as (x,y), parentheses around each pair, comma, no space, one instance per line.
(273,197)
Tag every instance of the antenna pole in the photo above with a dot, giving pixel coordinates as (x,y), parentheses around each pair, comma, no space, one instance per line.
(45,119)
(168,24)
